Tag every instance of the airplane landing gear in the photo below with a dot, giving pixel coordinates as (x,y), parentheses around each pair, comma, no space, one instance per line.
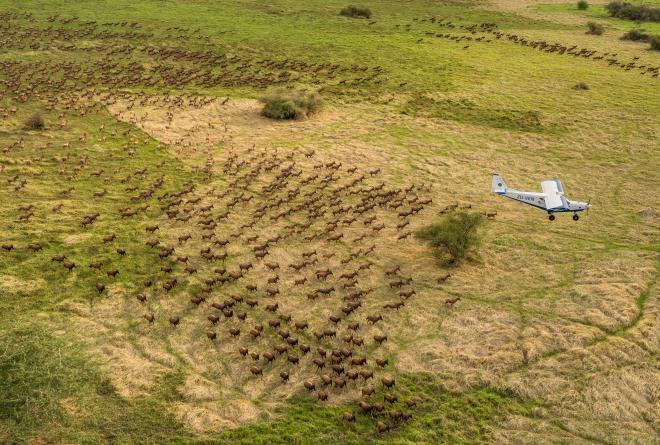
(576,217)
(551,217)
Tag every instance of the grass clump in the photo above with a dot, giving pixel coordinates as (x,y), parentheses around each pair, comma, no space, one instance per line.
(583,5)
(291,104)
(595,29)
(454,236)
(641,13)
(655,43)
(34,122)
(636,35)
(353,11)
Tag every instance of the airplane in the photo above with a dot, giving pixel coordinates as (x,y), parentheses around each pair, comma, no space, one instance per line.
(552,199)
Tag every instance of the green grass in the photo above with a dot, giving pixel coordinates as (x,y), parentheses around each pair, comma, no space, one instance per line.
(54,392)
(440,418)
(467,111)
(45,191)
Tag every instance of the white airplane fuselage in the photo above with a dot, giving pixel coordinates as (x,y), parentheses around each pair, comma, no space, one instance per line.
(551,200)
(538,200)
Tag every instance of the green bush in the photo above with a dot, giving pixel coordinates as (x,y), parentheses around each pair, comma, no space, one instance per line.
(655,43)
(34,122)
(636,35)
(454,236)
(582,5)
(595,29)
(356,12)
(291,104)
(625,10)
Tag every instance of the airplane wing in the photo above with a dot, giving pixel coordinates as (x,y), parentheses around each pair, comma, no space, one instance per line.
(554,193)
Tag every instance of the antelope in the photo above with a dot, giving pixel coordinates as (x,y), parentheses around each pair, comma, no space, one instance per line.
(388,381)
(380,338)
(367,391)
(451,301)
(441,279)
(373,319)
(390,398)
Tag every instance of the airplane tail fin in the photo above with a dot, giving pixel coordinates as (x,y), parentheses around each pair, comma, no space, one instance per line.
(498,185)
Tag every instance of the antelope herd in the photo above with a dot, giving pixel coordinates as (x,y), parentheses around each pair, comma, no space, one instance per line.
(288,235)
(127,56)
(285,236)
(489,32)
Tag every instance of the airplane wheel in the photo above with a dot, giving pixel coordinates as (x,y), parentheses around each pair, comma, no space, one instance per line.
(551,217)
(576,217)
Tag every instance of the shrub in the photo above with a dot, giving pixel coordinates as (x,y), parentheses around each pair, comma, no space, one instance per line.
(356,12)
(614,8)
(655,43)
(581,86)
(595,29)
(625,10)
(582,5)
(291,104)
(34,122)
(636,35)
(454,236)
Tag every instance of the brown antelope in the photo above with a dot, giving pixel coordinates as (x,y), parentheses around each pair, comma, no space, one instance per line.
(452,301)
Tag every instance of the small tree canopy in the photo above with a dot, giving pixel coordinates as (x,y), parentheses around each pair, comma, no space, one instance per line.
(453,236)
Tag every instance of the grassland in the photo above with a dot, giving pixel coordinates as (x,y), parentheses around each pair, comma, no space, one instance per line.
(556,336)
(599,12)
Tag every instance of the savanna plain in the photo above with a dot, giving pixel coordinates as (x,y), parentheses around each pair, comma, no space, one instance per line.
(177,266)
